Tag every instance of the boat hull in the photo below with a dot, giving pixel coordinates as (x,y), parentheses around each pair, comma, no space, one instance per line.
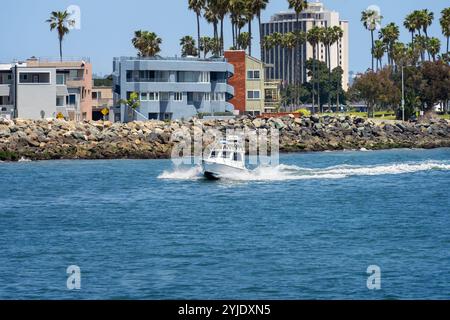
(217,171)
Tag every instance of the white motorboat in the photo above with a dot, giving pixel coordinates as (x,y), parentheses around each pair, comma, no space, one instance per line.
(227,158)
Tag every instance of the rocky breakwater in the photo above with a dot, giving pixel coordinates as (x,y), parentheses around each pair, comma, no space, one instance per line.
(55,139)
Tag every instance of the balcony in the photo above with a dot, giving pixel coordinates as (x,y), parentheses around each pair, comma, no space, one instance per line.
(74,82)
(102,103)
(71,107)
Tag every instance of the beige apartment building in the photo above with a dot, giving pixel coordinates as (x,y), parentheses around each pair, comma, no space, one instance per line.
(102,98)
(284,61)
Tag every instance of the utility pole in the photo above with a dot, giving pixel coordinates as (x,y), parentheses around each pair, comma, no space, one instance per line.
(16,80)
(403,93)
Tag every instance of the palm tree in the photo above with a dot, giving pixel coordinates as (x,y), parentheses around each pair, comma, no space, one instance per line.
(197,6)
(241,21)
(205,45)
(433,47)
(445,25)
(147,43)
(416,21)
(421,44)
(389,35)
(237,9)
(338,34)
(289,42)
(379,50)
(244,40)
(258,7)
(410,25)
(399,54)
(60,20)
(298,6)
(211,17)
(413,54)
(371,20)
(426,20)
(221,8)
(313,37)
(328,39)
(249,15)
(188,47)
(132,103)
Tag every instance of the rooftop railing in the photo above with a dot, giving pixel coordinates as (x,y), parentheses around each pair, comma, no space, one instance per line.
(58,59)
(211,59)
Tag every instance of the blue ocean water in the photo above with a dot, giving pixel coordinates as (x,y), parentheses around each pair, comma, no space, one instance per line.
(307,229)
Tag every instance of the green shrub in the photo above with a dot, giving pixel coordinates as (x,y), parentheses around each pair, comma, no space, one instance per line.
(8,156)
(304,112)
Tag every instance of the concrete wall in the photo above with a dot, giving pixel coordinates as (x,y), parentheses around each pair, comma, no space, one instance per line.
(33,98)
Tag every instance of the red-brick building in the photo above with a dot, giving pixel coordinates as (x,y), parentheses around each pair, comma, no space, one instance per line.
(237,59)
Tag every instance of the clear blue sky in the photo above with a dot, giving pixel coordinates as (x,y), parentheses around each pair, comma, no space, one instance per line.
(108,26)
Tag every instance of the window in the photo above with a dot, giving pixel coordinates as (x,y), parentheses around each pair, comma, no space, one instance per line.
(178,96)
(253,75)
(153,116)
(130,76)
(199,96)
(204,77)
(253,94)
(219,77)
(218,96)
(164,96)
(60,101)
(188,76)
(213,154)
(71,100)
(153,96)
(144,96)
(34,77)
(148,76)
(76,75)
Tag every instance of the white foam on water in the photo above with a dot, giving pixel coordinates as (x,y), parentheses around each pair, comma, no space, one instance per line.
(292,172)
(193,173)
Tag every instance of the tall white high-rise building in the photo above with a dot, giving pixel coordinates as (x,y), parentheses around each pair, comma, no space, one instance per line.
(283,61)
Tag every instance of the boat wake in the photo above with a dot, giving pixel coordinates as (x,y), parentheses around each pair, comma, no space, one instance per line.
(286,172)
